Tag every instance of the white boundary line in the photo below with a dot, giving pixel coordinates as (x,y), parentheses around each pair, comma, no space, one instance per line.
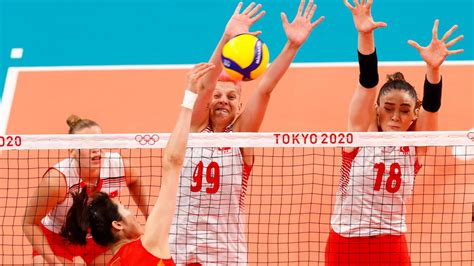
(383,64)
(12,76)
(7,99)
(188,66)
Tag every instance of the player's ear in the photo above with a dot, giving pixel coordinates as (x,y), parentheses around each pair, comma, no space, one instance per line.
(417,109)
(117,225)
(377,108)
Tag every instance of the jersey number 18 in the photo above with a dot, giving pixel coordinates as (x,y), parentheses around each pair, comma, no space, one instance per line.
(394,180)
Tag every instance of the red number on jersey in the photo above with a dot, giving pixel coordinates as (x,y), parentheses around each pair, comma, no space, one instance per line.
(380,170)
(197,178)
(394,180)
(212,177)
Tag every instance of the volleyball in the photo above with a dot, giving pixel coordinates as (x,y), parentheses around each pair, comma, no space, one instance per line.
(245,57)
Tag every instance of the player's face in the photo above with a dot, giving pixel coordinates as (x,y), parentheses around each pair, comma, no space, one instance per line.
(396,111)
(89,158)
(225,103)
(131,228)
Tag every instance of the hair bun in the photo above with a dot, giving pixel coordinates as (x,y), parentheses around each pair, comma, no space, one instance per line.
(73,120)
(395,76)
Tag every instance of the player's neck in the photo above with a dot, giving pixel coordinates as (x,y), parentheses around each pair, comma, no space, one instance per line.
(219,127)
(123,241)
(90,176)
(117,245)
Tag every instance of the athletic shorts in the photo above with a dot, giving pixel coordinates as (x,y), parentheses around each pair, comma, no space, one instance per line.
(372,250)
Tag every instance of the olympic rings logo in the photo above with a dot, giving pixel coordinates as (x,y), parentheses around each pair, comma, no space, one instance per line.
(470,135)
(147,139)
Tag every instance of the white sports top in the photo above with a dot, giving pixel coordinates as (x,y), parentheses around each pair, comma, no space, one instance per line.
(112,180)
(209,225)
(375,184)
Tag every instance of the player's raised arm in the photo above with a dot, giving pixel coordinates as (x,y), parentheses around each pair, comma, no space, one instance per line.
(434,56)
(361,109)
(157,228)
(240,22)
(297,33)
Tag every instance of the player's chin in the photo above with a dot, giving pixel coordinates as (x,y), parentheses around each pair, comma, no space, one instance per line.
(394,129)
(95,163)
(224,117)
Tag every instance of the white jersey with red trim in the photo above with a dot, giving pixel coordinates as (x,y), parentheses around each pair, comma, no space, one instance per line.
(112,180)
(375,184)
(209,225)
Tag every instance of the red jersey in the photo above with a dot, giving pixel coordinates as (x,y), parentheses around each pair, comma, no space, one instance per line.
(134,253)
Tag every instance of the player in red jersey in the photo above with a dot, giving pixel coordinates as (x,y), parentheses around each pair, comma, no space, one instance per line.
(113,226)
(368,222)
(46,212)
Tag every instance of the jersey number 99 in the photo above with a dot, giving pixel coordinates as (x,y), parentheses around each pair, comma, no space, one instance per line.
(212,177)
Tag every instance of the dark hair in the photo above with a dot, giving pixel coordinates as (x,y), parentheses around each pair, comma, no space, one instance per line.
(396,81)
(95,213)
(76,123)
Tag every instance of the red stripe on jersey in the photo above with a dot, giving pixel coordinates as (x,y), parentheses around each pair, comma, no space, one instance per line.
(74,188)
(101,183)
(347,159)
(115,180)
(245,178)
(113,194)
(417,167)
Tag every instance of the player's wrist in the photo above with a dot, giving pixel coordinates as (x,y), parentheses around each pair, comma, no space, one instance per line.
(365,33)
(432,95)
(368,70)
(189,99)
(433,68)
(293,45)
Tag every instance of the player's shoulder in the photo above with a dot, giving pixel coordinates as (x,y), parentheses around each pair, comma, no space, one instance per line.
(55,177)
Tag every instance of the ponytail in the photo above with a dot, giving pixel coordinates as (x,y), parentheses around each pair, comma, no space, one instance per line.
(91,214)
(77,219)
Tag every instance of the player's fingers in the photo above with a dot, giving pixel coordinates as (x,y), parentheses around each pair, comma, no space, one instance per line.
(308,8)
(284,18)
(415,45)
(311,13)
(300,8)
(203,71)
(237,9)
(455,51)
(247,10)
(435,30)
(316,23)
(455,40)
(258,16)
(254,10)
(448,33)
(346,2)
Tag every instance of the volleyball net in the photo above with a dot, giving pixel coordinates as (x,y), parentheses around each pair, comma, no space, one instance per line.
(281,212)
